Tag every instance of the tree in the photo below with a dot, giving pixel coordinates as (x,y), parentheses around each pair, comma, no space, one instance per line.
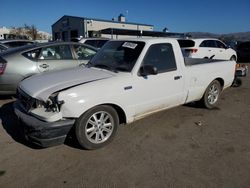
(31,31)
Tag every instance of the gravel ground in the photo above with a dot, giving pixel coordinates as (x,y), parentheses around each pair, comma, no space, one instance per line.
(185,146)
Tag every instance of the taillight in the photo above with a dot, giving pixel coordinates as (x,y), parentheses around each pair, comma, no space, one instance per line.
(2,67)
(192,50)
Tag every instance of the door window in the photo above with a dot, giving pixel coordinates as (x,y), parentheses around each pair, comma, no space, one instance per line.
(220,44)
(208,44)
(83,53)
(33,54)
(56,53)
(161,56)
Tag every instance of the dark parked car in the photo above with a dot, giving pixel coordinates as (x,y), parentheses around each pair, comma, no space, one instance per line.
(17,64)
(243,52)
(11,43)
(95,42)
(3,47)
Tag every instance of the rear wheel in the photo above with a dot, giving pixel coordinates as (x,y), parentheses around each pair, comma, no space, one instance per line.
(97,127)
(212,94)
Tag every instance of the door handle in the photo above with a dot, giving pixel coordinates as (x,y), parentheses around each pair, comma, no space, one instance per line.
(44,66)
(177,77)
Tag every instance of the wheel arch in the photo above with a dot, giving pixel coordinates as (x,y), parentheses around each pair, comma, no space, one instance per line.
(233,57)
(204,100)
(120,112)
(221,81)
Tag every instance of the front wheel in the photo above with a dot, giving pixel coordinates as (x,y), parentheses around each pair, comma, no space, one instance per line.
(212,94)
(97,127)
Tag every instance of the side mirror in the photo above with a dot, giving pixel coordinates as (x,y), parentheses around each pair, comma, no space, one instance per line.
(146,70)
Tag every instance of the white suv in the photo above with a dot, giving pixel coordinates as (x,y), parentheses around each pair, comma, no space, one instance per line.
(206,48)
(95,42)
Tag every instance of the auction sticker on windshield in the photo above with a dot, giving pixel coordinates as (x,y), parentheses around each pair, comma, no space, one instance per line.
(129,45)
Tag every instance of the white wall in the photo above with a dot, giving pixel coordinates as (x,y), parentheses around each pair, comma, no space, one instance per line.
(3,30)
(93,25)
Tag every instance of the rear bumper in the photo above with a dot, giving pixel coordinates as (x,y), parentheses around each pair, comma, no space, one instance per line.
(7,89)
(43,133)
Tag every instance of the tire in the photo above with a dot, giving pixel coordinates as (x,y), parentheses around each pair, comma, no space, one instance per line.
(97,127)
(212,94)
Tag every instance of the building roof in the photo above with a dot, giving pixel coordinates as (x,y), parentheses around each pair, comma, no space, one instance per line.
(102,20)
(131,32)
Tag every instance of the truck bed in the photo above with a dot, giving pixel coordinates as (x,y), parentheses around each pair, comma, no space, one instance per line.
(195,61)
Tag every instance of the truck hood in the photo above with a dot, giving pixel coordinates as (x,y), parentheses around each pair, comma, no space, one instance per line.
(41,86)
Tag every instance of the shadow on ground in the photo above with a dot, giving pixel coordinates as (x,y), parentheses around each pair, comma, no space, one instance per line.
(199,105)
(72,142)
(11,125)
(2,172)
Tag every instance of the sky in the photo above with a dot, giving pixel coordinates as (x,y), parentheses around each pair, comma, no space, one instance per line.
(216,16)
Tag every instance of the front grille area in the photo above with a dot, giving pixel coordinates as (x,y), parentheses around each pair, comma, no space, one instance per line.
(27,101)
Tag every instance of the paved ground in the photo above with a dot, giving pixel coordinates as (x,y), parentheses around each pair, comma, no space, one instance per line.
(182,147)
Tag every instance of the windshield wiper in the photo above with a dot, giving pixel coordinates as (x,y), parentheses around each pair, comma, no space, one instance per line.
(103,66)
(122,68)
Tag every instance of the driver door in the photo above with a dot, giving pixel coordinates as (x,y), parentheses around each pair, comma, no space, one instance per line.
(163,90)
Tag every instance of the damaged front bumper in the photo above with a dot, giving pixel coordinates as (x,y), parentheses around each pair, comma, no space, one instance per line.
(41,132)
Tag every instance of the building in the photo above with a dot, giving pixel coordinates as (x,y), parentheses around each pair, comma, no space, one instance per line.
(3,32)
(69,27)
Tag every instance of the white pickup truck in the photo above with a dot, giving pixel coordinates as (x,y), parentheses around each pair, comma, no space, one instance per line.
(125,81)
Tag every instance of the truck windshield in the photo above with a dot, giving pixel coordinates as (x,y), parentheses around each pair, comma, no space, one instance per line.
(117,56)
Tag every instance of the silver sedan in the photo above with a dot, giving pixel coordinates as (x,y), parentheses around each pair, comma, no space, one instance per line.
(19,63)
